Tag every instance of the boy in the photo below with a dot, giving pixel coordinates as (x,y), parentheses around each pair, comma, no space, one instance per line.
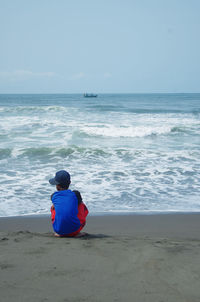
(68,212)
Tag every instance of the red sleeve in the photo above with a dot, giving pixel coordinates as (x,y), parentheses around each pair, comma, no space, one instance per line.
(53,214)
(82,213)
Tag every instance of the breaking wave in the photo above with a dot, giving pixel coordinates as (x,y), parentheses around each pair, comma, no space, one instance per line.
(45,152)
(31,109)
(138,131)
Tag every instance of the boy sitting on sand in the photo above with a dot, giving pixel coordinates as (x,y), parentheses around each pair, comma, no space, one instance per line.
(68,212)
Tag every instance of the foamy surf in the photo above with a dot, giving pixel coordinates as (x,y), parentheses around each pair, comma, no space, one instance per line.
(126,153)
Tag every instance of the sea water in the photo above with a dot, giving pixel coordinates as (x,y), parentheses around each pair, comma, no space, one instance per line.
(125,152)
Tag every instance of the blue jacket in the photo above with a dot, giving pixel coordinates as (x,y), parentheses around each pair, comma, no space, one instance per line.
(66,209)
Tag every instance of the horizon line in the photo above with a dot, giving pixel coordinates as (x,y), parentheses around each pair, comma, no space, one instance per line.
(100,93)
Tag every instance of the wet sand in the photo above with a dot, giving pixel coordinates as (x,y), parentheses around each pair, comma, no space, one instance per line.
(142,258)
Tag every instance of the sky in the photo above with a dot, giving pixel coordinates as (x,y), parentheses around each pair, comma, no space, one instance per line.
(99,46)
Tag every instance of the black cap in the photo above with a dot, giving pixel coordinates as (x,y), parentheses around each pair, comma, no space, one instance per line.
(62,177)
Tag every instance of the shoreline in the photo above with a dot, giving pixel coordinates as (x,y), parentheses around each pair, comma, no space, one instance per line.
(113,213)
(168,225)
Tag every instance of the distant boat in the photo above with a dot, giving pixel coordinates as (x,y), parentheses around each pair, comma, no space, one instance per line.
(90,95)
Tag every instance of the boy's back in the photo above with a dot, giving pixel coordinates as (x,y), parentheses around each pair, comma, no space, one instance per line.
(66,211)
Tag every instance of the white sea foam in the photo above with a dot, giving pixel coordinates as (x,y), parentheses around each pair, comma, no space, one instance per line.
(119,160)
(113,184)
(131,131)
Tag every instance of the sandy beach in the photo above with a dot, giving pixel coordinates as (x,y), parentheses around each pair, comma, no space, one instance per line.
(142,258)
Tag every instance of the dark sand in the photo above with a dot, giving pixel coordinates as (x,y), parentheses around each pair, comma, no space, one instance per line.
(141,258)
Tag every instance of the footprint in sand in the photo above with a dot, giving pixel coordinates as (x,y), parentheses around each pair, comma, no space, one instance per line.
(6,266)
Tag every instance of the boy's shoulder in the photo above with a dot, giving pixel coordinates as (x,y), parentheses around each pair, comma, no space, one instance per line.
(60,194)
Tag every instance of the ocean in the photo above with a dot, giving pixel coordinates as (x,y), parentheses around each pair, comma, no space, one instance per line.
(126,153)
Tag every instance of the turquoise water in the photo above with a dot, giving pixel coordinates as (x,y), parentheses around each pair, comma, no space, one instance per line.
(125,152)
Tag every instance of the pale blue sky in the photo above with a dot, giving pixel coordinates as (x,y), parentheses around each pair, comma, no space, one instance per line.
(76,46)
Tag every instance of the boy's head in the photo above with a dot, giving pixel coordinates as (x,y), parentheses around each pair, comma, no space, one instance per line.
(61,180)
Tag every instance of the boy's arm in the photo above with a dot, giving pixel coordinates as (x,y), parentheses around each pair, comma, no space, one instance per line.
(53,213)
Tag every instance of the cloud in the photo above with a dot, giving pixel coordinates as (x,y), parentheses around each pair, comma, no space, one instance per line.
(107,75)
(25,74)
(81,75)
(77,76)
